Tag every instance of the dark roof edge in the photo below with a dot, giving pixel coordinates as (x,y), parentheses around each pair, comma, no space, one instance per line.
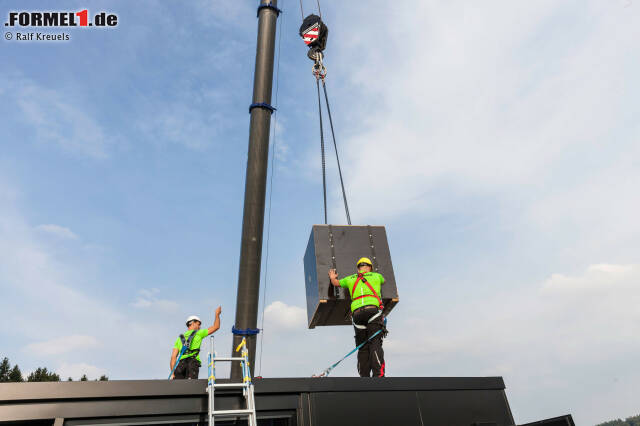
(566,419)
(159,388)
(355,384)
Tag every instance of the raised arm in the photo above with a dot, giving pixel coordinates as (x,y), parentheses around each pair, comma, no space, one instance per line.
(216,324)
(333,277)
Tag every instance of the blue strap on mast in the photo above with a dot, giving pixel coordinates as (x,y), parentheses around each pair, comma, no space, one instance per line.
(244,331)
(261,105)
(268,6)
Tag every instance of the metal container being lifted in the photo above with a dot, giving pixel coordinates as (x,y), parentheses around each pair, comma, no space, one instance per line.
(340,247)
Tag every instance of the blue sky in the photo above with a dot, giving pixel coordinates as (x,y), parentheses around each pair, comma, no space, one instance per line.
(499,145)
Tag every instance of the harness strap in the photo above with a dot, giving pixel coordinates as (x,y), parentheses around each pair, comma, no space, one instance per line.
(353,290)
(364,280)
(364,327)
(375,316)
(186,343)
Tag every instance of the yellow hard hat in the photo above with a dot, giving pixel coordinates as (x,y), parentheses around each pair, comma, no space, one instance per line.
(364,260)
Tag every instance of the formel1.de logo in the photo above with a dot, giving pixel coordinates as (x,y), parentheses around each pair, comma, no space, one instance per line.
(61,19)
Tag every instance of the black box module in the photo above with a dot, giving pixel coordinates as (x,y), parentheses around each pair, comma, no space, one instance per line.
(341,246)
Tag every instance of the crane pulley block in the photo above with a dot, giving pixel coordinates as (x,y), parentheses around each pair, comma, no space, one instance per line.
(339,247)
(314,33)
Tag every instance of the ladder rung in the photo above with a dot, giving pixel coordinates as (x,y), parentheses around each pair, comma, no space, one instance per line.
(231,385)
(228,359)
(232,412)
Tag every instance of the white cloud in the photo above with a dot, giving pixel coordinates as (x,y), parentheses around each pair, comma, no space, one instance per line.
(282,317)
(61,293)
(285,332)
(606,277)
(58,231)
(568,336)
(186,121)
(147,299)
(483,108)
(57,117)
(527,109)
(61,345)
(225,14)
(75,371)
(529,105)
(180,125)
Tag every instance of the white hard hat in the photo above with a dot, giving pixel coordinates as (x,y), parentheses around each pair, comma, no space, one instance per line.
(193,318)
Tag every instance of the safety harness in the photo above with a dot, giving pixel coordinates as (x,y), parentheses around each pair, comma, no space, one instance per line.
(186,343)
(364,280)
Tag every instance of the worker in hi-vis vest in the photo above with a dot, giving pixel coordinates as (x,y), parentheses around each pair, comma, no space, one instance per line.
(189,364)
(366,310)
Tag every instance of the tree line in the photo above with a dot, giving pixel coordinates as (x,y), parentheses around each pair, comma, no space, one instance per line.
(41,374)
(629,421)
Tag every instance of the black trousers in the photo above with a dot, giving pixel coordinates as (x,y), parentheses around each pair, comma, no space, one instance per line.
(188,368)
(370,355)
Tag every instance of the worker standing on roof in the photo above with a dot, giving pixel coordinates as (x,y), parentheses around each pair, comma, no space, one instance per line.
(366,310)
(189,364)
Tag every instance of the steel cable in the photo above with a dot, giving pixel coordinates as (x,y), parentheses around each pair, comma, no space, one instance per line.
(344,194)
(324,171)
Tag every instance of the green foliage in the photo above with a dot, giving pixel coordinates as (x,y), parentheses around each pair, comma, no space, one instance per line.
(15,375)
(617,422)
(629,421)
(5,369)
(43,375)
(8,374)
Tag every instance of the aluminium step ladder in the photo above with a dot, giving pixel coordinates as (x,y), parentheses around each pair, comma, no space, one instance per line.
(246,386)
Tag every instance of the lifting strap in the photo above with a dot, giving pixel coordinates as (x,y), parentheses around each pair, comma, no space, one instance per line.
(334,292)
(364,280)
